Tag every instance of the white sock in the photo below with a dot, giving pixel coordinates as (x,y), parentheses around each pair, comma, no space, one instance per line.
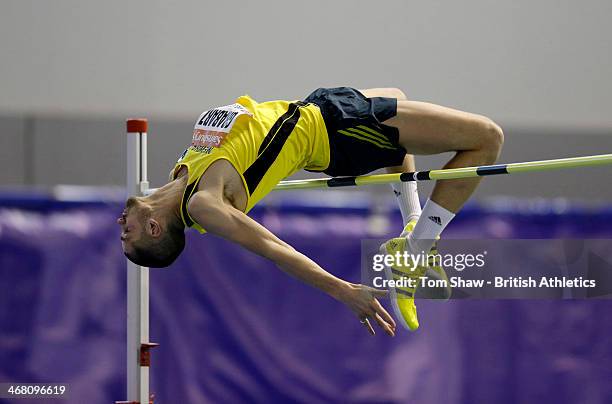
(429,226)
(408,200)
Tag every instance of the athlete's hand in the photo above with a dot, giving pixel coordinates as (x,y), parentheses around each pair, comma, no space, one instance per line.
(362,301)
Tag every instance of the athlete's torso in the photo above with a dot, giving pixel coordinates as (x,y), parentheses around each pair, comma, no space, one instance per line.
(264,142)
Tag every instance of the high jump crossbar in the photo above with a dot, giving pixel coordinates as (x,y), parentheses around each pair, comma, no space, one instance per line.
(138,344)
(446,174)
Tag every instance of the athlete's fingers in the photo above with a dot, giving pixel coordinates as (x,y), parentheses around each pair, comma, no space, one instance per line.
(383,313)
(384,325)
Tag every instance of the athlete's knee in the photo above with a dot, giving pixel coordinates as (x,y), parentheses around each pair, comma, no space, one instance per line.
(494,134)
(491,138)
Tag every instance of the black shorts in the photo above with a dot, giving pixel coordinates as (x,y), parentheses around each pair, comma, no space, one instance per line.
(359,143)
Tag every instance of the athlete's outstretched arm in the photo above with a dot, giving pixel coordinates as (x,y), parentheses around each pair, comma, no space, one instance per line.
(220,217)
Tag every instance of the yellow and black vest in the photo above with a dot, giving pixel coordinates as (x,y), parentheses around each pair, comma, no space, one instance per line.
(265,142)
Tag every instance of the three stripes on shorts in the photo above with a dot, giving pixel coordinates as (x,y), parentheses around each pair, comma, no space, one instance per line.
(366,134)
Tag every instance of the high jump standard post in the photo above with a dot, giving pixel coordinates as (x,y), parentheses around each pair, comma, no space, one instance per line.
(138,344)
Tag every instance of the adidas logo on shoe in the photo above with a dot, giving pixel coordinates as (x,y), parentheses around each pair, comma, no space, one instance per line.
(436,220)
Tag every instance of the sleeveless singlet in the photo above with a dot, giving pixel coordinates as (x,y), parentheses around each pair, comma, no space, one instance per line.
(265,142)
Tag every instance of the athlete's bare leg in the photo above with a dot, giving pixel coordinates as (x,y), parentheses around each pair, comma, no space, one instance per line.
(430,129)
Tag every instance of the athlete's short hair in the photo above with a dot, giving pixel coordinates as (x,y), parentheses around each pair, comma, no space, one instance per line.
(159,252)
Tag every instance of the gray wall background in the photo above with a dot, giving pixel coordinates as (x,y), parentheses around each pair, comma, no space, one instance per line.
(72,71)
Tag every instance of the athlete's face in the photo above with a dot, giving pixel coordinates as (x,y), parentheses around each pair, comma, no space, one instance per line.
(131,222)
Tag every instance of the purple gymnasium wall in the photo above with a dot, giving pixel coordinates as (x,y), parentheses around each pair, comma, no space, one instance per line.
(235,329)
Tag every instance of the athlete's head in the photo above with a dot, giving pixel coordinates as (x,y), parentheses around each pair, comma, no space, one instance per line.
(148,239)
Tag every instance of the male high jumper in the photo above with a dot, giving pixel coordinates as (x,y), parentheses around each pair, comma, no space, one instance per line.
(239,152)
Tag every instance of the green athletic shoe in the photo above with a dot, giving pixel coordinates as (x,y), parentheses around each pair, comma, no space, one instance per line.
(402,297)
